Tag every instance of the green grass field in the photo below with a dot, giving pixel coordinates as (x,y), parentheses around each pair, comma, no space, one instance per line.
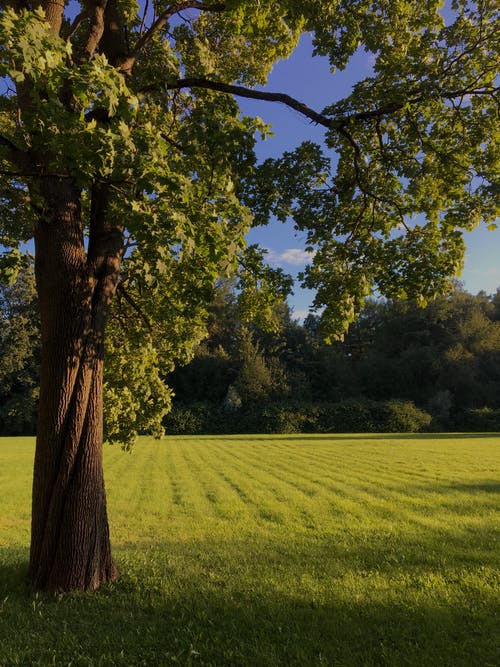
(273,550)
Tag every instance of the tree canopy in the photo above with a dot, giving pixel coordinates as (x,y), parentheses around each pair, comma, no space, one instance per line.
(136,107)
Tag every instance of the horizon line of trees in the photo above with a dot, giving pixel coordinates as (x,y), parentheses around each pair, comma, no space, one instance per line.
(399,368)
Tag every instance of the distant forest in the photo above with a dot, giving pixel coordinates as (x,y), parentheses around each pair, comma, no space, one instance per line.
(400,368)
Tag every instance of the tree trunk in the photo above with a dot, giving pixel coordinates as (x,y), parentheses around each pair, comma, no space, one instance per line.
(70,546)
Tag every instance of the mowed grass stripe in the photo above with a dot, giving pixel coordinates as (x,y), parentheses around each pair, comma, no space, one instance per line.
(248,479)
(372,476)
(285,492)
(422,509)
(270,551)
(346,501)
(276,497)
(371,480)
(335,463)
(135,484)
(248,483)
(371,497)
(268,473)
(367,464)
(284,482)
(213,496)
(226,499)
(15,493)
(358,500)
(418,459)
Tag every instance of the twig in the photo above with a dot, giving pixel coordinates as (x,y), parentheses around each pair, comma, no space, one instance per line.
(123,292)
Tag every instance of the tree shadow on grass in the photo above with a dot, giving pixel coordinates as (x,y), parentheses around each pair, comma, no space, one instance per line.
(13,570)
(487,486)
(206,602)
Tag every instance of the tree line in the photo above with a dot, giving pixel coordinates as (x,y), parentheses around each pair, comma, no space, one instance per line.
(400,367)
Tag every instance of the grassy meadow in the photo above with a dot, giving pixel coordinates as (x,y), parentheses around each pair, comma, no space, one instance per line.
(348,550)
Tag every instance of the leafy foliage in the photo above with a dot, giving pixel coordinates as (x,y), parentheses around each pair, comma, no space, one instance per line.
(136,110)
(171,162)
(415,155)
(360,415)
(19,354)
(399,366)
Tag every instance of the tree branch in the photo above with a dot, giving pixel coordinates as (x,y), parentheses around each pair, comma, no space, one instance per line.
(113,41)
(126,63)
(339,123)
(96,29)
(78,20)
(241,91)
(27,174)
(452,94)
(168,13)
(172,142)
(54,12)
(17,155)
(9,144)
(123,292)
(283,98)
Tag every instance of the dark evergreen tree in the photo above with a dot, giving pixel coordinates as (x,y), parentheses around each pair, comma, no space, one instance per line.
(19,354)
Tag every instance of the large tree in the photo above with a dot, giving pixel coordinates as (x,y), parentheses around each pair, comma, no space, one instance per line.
(125,156)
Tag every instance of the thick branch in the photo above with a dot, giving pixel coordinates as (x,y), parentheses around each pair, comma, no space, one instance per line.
(96,28)
(78,20)
(15,154)
(241,91)
(452,94)
(113,42)
(105,238)
(54,11)
(338,123)
(123,292)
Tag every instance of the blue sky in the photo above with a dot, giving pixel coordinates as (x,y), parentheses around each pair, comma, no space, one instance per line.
(309,80)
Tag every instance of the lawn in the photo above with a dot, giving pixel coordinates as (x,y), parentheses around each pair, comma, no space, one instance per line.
(349,550)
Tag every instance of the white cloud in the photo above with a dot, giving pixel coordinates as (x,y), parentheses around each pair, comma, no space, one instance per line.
(299,314)
(293,256)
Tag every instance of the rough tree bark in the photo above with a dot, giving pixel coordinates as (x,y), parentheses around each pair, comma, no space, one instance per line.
(70,546)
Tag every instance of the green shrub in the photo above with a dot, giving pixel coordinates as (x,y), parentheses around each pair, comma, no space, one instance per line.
(368,416)
(440,408)
(284,419)
(479,419)
(404,417)
(184,420)
(349,416)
